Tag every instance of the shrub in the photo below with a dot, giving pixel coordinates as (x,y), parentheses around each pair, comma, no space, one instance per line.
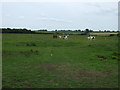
(112,35)
(31,44)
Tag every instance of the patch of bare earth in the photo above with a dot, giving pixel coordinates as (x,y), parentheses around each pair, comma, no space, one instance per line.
(90,75)
(5,53)
(65,70)
(48,67)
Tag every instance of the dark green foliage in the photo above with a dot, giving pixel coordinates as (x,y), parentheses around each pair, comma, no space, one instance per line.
(112,34)
(86,32)
(14,30)
(31,44)
(118,34)
(43,30)
(83,34)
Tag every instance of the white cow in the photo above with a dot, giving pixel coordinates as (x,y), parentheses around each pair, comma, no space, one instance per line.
(68,35)
(91,38)
(65,37)
(60,36)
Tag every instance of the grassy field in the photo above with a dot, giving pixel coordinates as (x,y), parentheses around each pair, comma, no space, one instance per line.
(75,63)
(103,34)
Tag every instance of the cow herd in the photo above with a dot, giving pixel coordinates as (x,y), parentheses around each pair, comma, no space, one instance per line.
(67,36)
(91,38)
(60,36)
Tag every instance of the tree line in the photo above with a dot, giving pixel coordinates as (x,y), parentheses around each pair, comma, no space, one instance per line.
(87,30)
(14,30)
(24,30)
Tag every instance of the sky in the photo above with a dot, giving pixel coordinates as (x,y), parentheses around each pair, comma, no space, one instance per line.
(60,15)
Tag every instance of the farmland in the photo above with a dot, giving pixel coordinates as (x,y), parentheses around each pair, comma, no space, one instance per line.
(75,63)
(103,34)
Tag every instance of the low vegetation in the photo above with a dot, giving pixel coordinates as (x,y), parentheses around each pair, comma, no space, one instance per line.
(70,32)
(75,63)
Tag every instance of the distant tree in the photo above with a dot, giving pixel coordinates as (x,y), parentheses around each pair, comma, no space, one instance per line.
(24,29)
(14,30)
(90,30)
(82,31)
(113,31)
(117,31)
(79,30)
(42,30)
(8,28)
(108,31)
(105,31)
(86,31)
(100,31)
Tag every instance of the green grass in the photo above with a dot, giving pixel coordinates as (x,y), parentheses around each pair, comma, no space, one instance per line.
(104,34)
(27,62)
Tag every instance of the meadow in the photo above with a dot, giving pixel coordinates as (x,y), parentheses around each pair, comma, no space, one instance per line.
(104,34)
(75,63)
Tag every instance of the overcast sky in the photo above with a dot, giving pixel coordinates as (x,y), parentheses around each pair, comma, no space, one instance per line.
(60,15)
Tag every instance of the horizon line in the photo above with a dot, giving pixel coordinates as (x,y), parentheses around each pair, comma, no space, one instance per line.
(57,29)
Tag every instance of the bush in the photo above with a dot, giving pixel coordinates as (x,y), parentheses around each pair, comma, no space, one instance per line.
(31,44)
(83,33)
(113,35)
(118,34)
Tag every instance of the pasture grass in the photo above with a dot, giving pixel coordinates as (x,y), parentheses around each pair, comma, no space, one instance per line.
(75,63)
(104,34)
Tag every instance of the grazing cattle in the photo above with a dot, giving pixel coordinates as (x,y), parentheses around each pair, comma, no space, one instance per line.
(65,36)
(91,38)
(68,35)
(60,36)
(54,36)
